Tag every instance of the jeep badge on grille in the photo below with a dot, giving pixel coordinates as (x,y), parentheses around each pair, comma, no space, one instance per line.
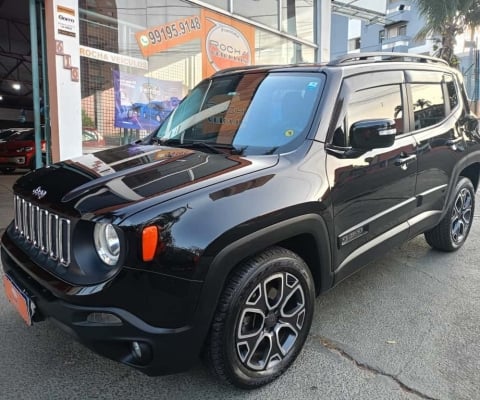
(39,193)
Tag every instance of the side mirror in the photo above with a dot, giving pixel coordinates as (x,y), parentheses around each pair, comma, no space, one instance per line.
(471,123)
(373,134)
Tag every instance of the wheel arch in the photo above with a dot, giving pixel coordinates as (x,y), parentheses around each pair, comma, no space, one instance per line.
(469,168)
(472,172)
(306,235)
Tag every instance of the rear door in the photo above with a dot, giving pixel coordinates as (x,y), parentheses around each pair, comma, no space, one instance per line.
(434,117)
(373,192)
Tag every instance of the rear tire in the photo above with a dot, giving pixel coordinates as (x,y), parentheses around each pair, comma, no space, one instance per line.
(262,319)
(452,231)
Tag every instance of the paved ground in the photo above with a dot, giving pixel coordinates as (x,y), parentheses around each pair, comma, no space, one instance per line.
(405,327)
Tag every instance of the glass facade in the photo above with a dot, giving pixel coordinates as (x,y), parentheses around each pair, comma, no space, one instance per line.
(297,18)
(265,11)
(139,59)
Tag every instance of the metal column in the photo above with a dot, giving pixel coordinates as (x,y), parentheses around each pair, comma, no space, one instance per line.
(323,24)
(46,98)
(35,83)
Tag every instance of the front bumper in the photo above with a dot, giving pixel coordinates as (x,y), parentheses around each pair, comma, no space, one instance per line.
(107,329)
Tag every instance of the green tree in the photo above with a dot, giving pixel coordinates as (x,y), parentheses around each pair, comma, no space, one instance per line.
(87,122)
(447,19)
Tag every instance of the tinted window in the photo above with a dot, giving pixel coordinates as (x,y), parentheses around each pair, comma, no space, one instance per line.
(452,92)
(428,104)
(376,103)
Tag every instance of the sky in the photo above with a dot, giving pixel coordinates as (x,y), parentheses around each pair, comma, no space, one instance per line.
(375,5)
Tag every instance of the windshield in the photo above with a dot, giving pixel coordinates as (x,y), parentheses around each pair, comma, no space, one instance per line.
(257,113)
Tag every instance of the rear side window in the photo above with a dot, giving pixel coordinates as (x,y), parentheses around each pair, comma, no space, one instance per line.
(428,104)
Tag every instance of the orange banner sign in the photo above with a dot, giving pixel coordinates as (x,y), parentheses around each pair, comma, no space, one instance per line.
(169,35)
(227,43)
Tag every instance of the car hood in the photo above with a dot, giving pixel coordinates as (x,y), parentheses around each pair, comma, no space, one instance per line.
(109,180)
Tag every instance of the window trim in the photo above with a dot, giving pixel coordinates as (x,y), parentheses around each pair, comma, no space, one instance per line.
(353,83)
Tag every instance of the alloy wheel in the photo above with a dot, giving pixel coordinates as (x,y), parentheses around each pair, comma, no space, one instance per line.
(270,321)
(461,215)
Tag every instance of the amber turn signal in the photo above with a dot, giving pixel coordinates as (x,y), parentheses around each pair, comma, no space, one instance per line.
(149,242)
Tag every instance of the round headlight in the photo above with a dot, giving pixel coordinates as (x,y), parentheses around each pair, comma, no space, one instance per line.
(107,243)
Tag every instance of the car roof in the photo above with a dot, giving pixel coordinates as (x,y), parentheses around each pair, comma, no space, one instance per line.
(375,60)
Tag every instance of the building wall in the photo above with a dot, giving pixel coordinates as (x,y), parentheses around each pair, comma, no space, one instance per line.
(339,36)
(399,33)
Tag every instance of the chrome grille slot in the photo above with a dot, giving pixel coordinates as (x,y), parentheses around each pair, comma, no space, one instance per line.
(28,221)
(35,225)
(64,242)
(52,240)
(43,229)
(24,218)
(17,212)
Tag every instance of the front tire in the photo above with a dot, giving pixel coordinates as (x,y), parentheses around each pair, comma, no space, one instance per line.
(452,231)
(262,319)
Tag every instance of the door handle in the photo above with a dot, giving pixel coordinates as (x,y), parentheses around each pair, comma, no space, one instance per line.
(403,161)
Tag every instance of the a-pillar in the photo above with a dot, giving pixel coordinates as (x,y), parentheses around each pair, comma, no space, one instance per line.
(63,60)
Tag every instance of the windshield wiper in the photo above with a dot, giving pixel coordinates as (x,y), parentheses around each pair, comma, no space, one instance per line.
(215,148)
(155,140)
(200,144)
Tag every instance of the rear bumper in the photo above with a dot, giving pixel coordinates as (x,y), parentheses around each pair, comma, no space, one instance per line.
(163,350)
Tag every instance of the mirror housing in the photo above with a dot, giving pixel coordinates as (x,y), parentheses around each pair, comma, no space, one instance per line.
(373,133)
(471,123)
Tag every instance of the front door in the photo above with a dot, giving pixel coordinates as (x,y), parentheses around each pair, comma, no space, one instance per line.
(373,192)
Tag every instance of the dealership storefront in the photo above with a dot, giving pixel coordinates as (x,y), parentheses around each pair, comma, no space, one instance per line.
(130,63)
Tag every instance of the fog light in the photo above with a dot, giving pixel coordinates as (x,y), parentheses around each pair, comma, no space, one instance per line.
(137,350)
(141,352)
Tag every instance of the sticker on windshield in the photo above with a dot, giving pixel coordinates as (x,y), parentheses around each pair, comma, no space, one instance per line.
(312,85)
(289,132)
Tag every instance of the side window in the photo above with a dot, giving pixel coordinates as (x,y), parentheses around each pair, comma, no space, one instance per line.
(428,104)
(452,92)
(376,103)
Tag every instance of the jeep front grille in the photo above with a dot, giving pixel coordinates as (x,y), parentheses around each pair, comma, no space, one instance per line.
(43,229)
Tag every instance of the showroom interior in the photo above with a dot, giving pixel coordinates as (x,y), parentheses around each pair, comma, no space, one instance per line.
(113,69)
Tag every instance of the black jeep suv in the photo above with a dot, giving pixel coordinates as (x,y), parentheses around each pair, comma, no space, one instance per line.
(265,187)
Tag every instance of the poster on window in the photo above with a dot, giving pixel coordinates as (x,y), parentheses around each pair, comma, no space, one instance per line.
(226,41)
(142,102)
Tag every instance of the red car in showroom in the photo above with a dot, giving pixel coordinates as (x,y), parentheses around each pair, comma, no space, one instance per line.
(18,150)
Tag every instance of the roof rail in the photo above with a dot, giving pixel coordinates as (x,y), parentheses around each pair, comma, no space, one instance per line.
(384,57)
